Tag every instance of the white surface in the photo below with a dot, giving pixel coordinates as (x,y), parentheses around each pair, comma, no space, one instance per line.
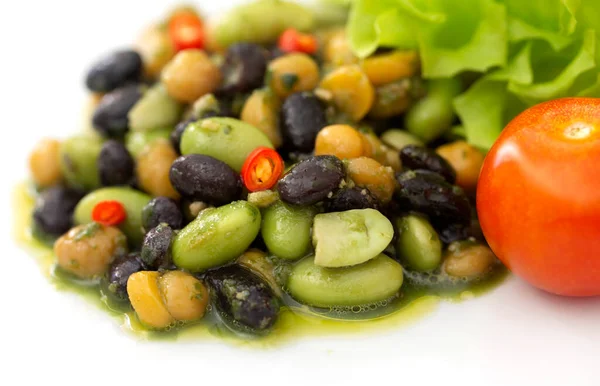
(514,336)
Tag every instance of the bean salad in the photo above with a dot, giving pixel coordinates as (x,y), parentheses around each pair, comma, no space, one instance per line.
(239,167)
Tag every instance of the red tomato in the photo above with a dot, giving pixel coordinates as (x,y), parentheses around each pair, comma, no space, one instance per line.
(262,169)
(538,196)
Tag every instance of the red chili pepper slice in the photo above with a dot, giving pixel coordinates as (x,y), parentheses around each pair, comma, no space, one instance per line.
(186,31)
(293,41)
(262,169)
(109,213)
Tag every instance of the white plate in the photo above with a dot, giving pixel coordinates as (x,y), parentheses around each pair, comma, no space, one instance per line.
(513,336)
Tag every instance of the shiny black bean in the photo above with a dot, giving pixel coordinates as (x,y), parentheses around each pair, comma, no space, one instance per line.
(110,118)
(54,208)
(119,272)
(115,164)
(161,210)
(156,248)
(114,70)
(203,178)
(302,117)
(427,192)
(420,157)
(243,298)
(312,180)
(244,68)
(350,198)
(454,232)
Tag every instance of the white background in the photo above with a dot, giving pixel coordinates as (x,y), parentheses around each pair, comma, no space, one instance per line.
(514,336)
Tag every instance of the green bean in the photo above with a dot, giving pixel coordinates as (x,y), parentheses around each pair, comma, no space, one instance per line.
(351,237)
(133,201)
(78,161)
(398,139)
(216,236)
(136,141)
(154,111)
(376,280)
(286,230)
(259,22)
(418,244)
(226,139)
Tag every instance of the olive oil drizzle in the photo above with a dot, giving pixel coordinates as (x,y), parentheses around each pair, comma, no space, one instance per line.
(295,320)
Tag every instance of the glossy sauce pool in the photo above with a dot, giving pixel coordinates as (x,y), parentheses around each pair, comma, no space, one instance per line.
(295,321)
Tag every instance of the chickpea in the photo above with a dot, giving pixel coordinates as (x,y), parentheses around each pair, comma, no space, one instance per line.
(380,152)
(147,300)
(156,49)
(390,67)
(185,297)
(293,73)
(87,250)
(351,91)
(338,51)
(261,110)
(343,141)
(44,163)
(370,174)
(466,161)
(190,75)
(391,100)
(468,260)
(153,167)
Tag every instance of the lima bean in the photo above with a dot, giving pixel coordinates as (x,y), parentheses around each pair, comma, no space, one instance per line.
(418,243)
(286,229)
(78,161)
(259,22)
(351,237)
(154,111)
(133,201)
(136,141)
(376,280)
(216,236)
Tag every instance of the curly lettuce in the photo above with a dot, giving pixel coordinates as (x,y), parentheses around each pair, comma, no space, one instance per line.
(523,52)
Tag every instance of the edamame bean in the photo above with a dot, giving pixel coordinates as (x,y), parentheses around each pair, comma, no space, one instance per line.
(433,115)
(216,236)
(258,22)
(133,201)
(398,139)
(154,111)
(351,237)
(136,141)
(78,161)
(286,229)
(418,243)
(376,280)
(226,139)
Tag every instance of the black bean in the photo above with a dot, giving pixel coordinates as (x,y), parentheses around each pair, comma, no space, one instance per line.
(203,178)
(350,198)
(427,192)
(453,232)
(302,117)
(119,272)
(161,210)
(156,248)
(243,298)
(54,208)
(420,157)
(115,164)
(244,68)
(114,70)
(312,180)
(110,118)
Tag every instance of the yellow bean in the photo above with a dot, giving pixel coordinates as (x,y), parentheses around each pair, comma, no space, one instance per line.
(262,111)
(466,161)
(343,141)
(156,49)
(190,75)
(337,49)
(44,163)
(390,67)
(351,91)
(370,174)
(292,73)
(147,301)
(153,167)
(468,260)
(185,297)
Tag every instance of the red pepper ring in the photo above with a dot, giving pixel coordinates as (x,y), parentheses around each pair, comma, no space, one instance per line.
(186,31)
(293,41)
(262,169)
(109,213)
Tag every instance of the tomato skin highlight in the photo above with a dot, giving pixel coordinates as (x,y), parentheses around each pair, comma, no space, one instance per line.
(538,196)
(262,169)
